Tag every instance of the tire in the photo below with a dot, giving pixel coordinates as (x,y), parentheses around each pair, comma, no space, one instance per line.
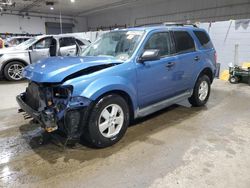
(103,137)
(13,71)
(233,80)
(201,91)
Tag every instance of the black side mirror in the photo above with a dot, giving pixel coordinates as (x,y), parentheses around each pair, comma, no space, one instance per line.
(150,55)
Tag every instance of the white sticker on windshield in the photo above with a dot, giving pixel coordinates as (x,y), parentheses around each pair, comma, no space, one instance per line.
(130,37)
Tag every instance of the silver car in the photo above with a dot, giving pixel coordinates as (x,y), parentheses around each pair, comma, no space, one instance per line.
(14,59)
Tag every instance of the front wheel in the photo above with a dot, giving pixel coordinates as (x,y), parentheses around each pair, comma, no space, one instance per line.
(108,121)
(201,91)
(13,71)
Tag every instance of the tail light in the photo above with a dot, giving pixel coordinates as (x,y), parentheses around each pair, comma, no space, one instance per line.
(215,57)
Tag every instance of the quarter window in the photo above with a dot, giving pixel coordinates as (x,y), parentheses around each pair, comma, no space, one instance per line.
(204,39)
(184,42)
(159,41)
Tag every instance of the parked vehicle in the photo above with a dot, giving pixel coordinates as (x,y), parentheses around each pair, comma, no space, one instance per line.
(124,75)
(14,59)
(14,41)
(1,43)
(239,75)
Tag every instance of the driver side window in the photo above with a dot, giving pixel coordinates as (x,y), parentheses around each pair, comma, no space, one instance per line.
(159,41)
(43,44)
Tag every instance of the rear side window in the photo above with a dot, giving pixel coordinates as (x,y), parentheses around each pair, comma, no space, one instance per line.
(184,42)
(80,42)
(204,39)
(67,41)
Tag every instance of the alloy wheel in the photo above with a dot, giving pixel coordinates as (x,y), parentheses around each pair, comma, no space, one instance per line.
(111,121)
(203,90)
(15,71)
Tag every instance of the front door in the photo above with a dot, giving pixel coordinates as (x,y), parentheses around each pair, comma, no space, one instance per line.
(154,78)
(40,50)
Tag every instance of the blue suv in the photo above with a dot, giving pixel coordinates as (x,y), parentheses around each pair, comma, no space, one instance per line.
(126,74)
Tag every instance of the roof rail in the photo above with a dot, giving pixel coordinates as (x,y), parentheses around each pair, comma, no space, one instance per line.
(179,24)
(167,24)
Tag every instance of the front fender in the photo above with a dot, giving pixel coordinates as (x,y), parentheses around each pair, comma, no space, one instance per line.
(108,84)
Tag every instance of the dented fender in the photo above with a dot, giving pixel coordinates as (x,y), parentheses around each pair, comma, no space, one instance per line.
(108,84)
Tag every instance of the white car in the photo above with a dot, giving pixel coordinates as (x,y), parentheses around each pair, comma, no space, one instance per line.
(14,59)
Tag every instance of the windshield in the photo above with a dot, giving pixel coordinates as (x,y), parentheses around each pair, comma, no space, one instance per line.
(118,44)
(27,43)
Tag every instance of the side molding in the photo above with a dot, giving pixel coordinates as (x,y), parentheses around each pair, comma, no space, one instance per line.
(163,104)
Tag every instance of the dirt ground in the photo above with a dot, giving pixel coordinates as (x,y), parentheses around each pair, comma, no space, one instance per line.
(177,147)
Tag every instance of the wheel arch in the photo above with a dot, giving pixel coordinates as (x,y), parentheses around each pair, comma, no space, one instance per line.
(13,60)
(125,96)
(207,71)
(10,61)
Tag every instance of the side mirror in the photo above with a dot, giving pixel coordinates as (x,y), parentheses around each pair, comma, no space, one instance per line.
(149,55)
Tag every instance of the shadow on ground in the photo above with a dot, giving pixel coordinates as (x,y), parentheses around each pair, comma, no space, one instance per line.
(139,131)
(6,82)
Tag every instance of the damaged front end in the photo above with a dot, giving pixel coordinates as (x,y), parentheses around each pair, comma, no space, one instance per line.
(54,107)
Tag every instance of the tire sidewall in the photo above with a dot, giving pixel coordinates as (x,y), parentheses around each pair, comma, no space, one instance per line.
(196,90)
(6,68)
(233,82)
(93,128)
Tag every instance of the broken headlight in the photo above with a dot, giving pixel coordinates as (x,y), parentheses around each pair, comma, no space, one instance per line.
(63,92)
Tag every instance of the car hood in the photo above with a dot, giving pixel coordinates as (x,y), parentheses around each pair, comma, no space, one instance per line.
(11,50)
(59,69)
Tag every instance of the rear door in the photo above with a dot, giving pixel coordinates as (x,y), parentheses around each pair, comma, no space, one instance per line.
(188,58)
(154,78)
(67,46)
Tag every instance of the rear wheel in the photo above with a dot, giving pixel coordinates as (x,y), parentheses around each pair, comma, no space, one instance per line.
(108,121)
(13,71)
(201,91)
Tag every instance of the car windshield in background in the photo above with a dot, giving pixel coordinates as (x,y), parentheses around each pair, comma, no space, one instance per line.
(26,43)
(118,44)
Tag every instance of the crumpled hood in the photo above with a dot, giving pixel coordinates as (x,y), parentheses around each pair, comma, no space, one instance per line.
(56,69)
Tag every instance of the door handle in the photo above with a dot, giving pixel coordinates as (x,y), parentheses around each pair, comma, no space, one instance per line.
(171,64)
(197,58)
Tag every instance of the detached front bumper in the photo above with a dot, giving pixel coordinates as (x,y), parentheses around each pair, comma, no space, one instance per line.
(70,120)
(46,118)
(34,114)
